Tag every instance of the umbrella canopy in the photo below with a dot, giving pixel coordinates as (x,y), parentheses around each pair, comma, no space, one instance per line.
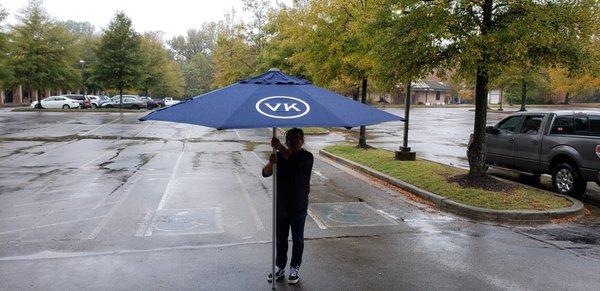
(272,99)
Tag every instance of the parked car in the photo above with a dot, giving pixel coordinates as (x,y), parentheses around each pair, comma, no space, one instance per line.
(128,103)
(564,144)
(153,103)
(170,101)
(96,101)
(84,101)
(57,102)
(117,97)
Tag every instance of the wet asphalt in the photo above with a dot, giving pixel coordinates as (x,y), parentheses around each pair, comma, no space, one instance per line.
(101,201)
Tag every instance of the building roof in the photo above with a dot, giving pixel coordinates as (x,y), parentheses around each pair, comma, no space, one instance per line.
(429,85)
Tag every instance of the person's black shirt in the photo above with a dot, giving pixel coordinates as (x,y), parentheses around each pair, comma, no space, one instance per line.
(293,182)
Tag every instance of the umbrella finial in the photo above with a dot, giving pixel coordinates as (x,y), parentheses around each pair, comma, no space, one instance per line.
(274,70)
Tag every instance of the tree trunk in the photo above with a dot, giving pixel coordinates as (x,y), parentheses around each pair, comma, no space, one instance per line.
(523,95)
(567,99)
(362,138)
(355,93)
(476,149)
(38,105)
(501,109)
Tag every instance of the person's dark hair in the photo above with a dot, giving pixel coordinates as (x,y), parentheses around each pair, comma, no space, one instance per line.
(294,131)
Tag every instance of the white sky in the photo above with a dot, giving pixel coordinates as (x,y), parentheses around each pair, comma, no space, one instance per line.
(173,17)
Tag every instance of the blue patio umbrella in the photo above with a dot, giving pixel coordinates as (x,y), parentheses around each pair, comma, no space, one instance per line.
(272,100)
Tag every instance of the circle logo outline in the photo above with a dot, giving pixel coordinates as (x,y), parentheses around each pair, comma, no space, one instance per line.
(259,102)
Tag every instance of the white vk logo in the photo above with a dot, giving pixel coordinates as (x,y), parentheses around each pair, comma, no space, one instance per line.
(282,107)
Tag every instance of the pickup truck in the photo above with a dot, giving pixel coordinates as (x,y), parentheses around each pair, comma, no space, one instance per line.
(564,144)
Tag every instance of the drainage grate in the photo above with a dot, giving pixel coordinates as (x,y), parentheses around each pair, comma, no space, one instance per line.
(343,214)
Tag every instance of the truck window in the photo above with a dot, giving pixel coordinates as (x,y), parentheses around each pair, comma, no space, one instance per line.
(594,124)
(581,125)
(531,124)
(509,125)
(563,125)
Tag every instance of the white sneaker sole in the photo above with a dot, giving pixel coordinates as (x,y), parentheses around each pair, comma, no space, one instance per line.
(291,282)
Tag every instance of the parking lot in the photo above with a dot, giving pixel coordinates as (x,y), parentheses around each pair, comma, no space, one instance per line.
(103,201)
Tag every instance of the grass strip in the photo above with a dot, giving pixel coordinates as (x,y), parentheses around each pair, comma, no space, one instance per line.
(433,177)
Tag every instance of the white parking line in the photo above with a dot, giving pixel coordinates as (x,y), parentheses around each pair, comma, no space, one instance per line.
(112,212)
(101,126)
(189,132)
(95,159)
(137,134)
(167,194)
(259,225)
(318,221)
(258,158)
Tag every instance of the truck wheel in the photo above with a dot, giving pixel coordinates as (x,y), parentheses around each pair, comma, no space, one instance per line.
(566,180)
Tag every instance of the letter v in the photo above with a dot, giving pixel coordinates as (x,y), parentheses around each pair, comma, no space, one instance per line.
(273,108)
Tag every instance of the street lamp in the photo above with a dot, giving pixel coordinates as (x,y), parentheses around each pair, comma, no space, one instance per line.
(82,62)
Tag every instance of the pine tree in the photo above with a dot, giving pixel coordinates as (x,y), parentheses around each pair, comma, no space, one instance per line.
(119,61)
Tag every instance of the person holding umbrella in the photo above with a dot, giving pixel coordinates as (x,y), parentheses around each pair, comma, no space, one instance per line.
(274,100)
(294,167)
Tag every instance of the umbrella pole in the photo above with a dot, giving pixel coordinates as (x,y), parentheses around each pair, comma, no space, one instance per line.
(273,254)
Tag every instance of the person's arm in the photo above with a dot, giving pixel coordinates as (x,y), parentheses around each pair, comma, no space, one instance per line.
(267,170)
(281,148)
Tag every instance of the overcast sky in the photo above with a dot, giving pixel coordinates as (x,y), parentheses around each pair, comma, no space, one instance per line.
(173,17)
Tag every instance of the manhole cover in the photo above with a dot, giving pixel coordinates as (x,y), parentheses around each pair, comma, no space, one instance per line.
(341,214)
(187,221)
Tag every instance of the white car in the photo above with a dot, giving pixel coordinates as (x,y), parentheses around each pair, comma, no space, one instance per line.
(170,101)
(57,102)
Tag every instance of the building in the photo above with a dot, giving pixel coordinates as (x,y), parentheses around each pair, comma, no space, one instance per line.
(20,96)
(430,92)
(494,96)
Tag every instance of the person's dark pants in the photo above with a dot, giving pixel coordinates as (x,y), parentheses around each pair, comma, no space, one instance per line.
(284,223)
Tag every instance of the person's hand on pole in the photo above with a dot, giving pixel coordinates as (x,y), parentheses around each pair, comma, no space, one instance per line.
(276,144)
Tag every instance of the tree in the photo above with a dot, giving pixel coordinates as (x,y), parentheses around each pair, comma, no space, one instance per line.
(5,68)
(331,44)
(523,80)
(119,63)
(198,74)
(567,87)
(233,58)
(42,54)
(481,38)
(159,74)
(197,41)
(84,44)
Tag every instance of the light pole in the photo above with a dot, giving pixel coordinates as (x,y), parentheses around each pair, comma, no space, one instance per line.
(82,62)
(405,154)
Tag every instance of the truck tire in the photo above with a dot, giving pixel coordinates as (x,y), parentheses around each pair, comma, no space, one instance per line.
(567,180)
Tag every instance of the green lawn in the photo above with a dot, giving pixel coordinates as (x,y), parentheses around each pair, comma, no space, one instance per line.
(312,130)
(432,177)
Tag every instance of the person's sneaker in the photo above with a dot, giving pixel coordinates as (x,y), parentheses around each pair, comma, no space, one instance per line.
(278,274)
(294,275)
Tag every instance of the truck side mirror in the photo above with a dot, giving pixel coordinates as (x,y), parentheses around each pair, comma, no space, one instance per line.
(491,129)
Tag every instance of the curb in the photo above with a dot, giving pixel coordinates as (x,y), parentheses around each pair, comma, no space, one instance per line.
(466,210)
